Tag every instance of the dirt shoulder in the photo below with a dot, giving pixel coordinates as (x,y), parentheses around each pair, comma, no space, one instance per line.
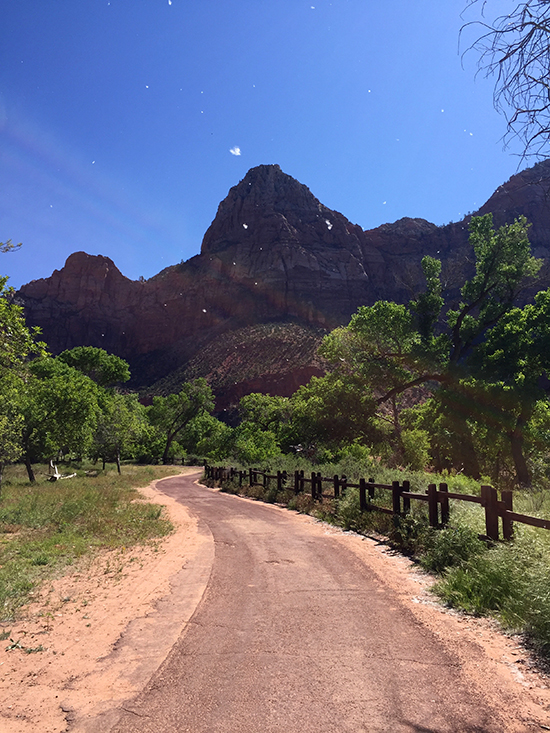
(101,631)
(106,627)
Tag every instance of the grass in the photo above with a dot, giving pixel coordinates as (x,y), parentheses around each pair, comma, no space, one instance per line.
(47,526)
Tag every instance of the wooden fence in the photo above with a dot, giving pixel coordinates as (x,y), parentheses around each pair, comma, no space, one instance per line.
(437,497)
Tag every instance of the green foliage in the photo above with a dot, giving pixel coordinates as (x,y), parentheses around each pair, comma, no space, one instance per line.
(253,446)
(60,408)
(416,449)
(265,411)
(395,348)
(120,426)
(171,414)
(103,368)
(9,246)
(410,534)
(376,346)
(427,307)
(11,419)
(451,547)
(492,583)
(503,264)
(206,436)
(17,341)
(333,411)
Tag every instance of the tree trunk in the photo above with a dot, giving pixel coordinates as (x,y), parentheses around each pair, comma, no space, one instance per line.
(165,459)
(456,405)
(465,455)
(516,442)
(396,423)
(30,472)
(118,461)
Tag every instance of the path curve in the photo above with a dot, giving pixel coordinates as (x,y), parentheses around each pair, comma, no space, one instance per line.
(295,632)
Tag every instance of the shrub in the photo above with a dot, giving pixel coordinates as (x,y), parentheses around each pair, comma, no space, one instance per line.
(416,448)
(450,547)
(409,533)
(491,583)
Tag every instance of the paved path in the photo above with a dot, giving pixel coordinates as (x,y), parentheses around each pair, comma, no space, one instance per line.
(294,633)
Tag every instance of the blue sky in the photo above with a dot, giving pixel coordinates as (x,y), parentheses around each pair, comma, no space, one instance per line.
(118,118)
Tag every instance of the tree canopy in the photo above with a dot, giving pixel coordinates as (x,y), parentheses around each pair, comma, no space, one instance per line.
(171,414)
(103,368)
(17,341)
(396,348)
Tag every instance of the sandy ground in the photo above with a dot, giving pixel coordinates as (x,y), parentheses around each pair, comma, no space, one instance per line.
(104,629)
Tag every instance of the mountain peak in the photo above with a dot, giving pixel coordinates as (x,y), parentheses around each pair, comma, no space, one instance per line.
(266,197)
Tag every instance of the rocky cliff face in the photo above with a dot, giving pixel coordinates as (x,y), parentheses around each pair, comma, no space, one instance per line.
(273,253)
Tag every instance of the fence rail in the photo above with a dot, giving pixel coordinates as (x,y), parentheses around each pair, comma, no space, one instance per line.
(437,497)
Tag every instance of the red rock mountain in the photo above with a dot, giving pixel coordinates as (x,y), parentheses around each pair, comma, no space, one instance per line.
(273,255)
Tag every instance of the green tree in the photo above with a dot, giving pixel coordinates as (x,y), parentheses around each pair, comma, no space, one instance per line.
(60,410)
(268,412)
(333,411)
(120,425)
(252,446)
(171,414)
(513,362)
(18,343)
(397,348)
(11,420)
(105,369)
(205,435)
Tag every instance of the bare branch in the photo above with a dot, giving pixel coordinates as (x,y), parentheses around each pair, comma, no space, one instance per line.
(9,246)
(515,49)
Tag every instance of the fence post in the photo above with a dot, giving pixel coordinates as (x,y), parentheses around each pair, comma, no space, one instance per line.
(241,474)
(336,481)
(362,495)
(319,486)
(250,477)
(279,481)
(371,489)
(489,500)
(507,524)
(296,482)
(302,483)
(396,497)
(313,485)
(432,505)
(406,499)
(444,501)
